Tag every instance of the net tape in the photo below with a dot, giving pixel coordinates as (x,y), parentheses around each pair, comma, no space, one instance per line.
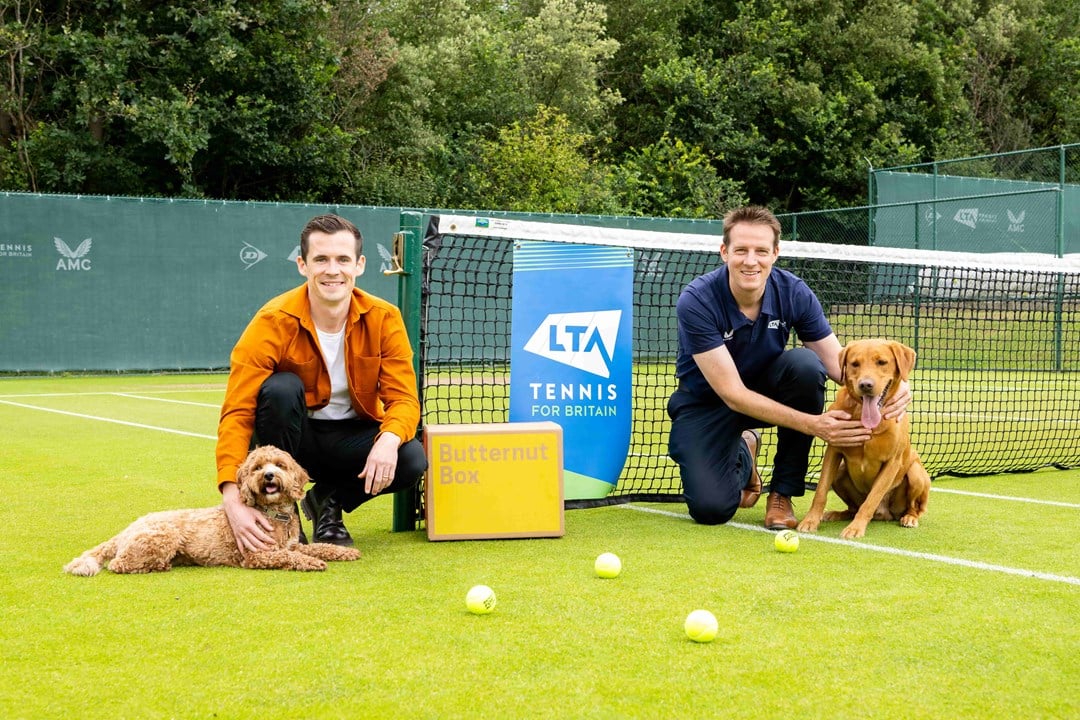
(696,242)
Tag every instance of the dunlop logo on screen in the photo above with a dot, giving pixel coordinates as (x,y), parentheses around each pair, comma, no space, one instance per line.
(249,255)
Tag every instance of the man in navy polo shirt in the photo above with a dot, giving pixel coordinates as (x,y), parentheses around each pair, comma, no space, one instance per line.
(735,375)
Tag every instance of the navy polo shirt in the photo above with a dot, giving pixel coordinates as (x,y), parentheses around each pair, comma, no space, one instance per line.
(709,317)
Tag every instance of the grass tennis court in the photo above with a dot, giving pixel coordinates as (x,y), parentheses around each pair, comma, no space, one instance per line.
(973,615)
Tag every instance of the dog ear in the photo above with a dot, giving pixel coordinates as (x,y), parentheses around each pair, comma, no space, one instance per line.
(843,364)
(905,358)
(243,483)
(300,479)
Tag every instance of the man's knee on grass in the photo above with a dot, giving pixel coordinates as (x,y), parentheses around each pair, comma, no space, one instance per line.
(713,511)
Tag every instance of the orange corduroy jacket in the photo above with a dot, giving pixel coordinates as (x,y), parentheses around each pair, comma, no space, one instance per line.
(281,338)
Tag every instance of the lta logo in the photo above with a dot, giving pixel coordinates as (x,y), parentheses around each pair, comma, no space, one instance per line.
(73,259)
(584,340)
(967,216)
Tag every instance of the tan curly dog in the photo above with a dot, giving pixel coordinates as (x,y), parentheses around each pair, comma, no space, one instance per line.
(269,480)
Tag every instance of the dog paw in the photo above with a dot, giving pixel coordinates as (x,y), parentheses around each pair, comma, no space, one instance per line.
(909,521)
(83,566)
(808,525)
(309,564)
(348,554)
(853,531)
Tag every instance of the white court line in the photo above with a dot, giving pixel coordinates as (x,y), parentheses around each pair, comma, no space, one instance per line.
(1005,497)
(108,420)
(156,399)
(1038,419)
(106,392)
(891,551)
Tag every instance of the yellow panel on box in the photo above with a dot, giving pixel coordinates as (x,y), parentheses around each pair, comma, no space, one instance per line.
(494,480)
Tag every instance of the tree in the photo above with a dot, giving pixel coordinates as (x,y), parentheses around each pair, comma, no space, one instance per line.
(671,179)
(20,37)
(466,72)
(677,107)
(187,98)
(561,52)
(793,98)
(539,165)
(1023,66)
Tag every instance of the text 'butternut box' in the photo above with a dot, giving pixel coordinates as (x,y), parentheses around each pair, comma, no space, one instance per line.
(494,480)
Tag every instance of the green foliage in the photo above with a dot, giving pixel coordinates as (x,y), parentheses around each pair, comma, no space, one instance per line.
(670,179)
(471,79)
(181,99)
(537,166)
(797,98)
(394,101)
(561,52)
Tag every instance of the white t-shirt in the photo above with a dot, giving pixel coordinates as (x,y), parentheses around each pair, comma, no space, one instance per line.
(340,407)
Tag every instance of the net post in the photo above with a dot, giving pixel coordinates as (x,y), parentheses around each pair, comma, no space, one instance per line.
(1060,214)
(1059,304)
(407,243)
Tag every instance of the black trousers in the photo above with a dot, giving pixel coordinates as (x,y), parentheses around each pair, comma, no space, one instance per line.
(332,451)
(706,442)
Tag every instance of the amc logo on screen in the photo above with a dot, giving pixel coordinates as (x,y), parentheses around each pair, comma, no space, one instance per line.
(584,340)
(73,259)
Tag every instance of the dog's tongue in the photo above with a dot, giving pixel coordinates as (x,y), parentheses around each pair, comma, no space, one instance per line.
(871,413)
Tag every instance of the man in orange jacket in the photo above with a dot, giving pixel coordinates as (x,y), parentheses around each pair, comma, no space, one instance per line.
(325,372)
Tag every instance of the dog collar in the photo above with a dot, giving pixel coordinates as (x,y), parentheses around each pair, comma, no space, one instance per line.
(881,400)
(278,515)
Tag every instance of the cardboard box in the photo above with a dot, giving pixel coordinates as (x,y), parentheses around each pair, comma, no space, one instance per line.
(497,480)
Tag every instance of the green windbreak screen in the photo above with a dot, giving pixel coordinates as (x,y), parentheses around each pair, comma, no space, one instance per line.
(96,283)
(990,215)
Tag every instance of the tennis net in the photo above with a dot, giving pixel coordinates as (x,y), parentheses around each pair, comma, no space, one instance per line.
(997,381)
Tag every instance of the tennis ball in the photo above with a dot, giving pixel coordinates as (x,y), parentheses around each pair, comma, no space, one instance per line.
(608,565)
(786,541)
(701,626)
(480,600)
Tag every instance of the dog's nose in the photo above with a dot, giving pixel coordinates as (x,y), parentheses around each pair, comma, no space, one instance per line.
(269,475)
(866,386)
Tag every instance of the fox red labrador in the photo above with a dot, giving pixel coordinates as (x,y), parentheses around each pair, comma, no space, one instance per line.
(882,479)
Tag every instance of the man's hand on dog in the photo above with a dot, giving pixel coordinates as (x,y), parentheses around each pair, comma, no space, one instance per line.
(837,428)
(895,408)
(250,527)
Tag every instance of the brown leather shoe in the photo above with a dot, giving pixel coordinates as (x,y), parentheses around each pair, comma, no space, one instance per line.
(752,491)
(779,514)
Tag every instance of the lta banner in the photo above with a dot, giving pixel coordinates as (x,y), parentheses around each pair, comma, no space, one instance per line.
(571,356)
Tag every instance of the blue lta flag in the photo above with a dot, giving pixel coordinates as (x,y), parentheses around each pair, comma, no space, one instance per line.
(571,356)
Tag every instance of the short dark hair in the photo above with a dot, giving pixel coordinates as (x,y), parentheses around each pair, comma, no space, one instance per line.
(752,215)
(329,224)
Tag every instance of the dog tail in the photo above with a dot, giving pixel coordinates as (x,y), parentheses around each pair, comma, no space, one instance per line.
(91,561)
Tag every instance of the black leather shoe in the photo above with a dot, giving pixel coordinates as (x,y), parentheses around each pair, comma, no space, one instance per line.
(325,517)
